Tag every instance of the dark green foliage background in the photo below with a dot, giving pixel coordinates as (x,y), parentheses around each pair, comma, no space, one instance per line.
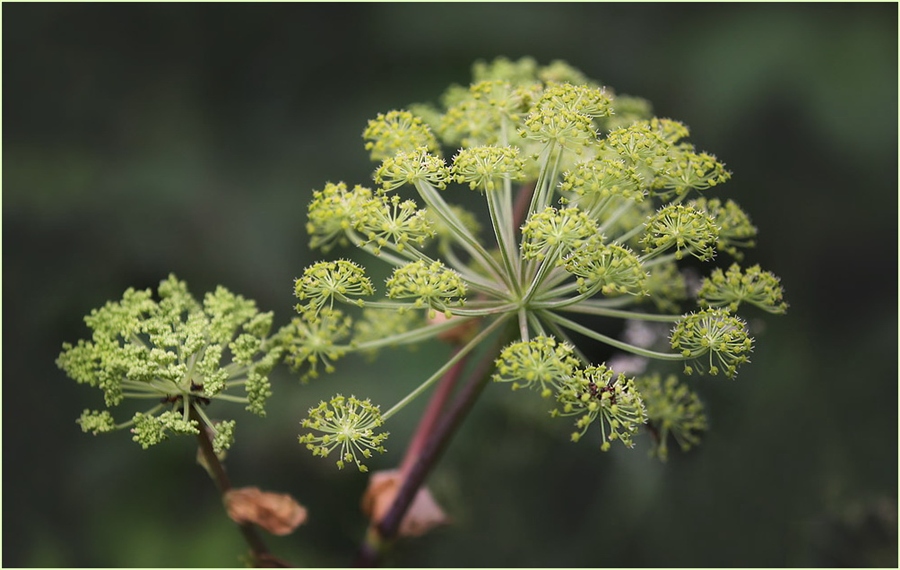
(144,139)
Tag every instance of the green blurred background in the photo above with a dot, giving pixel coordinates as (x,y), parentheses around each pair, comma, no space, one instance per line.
(140,140)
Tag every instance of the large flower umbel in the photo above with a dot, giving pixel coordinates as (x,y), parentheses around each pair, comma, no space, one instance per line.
(589,205)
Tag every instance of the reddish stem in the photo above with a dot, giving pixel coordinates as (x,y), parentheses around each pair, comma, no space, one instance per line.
(431,415)
(385,530)
(520,208)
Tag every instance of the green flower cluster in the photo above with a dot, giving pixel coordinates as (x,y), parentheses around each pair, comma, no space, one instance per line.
(589,203)
(347,424)
(671,409)
(178,354)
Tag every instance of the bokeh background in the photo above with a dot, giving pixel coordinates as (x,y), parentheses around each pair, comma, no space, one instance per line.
(140,140)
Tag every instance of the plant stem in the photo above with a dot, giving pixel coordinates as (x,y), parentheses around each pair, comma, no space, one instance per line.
(459,355)
(430,416)
(258,550)
(368,553)
(386,530)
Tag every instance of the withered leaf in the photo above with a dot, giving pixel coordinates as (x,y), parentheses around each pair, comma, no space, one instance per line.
(277,513)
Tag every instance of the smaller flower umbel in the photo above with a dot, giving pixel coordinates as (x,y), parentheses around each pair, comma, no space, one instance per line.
(597,394)
(347,424)
(589,204)
(672,408)
(178,354)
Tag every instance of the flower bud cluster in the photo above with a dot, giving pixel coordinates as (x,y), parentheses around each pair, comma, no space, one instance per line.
(432,285)
(179,353)
(735,286)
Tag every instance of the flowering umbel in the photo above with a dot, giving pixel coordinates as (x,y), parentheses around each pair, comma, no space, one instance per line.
(589,204)
(178,354)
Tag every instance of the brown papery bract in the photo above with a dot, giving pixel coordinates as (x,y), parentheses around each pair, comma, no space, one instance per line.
(277,513)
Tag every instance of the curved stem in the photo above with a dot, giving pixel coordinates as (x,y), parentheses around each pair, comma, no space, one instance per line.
(415,335)
(443,369)
(258,549)
(235,399)
(469,242)
(436,444)
(386,530)
(590,333)
(430,416)
(502,226)
(602,311)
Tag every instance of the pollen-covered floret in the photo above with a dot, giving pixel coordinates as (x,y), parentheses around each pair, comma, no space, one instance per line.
(596,180)
(333,212)
(555,232)
(685,228)
(409,167)
(397,131)
(688,170)
(590,101)
(564,116)
(314,339)
(713,341)
(478,118)
(733,287)
(347,424)
(541,363)
(483,167)
(640,145)
(562,127)
(735,228)
(324,281)
(608,268)
(390,221)
(597,394)
(671,131)
(430,284)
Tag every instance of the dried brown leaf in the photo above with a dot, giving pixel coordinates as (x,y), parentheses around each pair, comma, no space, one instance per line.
(277,513)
